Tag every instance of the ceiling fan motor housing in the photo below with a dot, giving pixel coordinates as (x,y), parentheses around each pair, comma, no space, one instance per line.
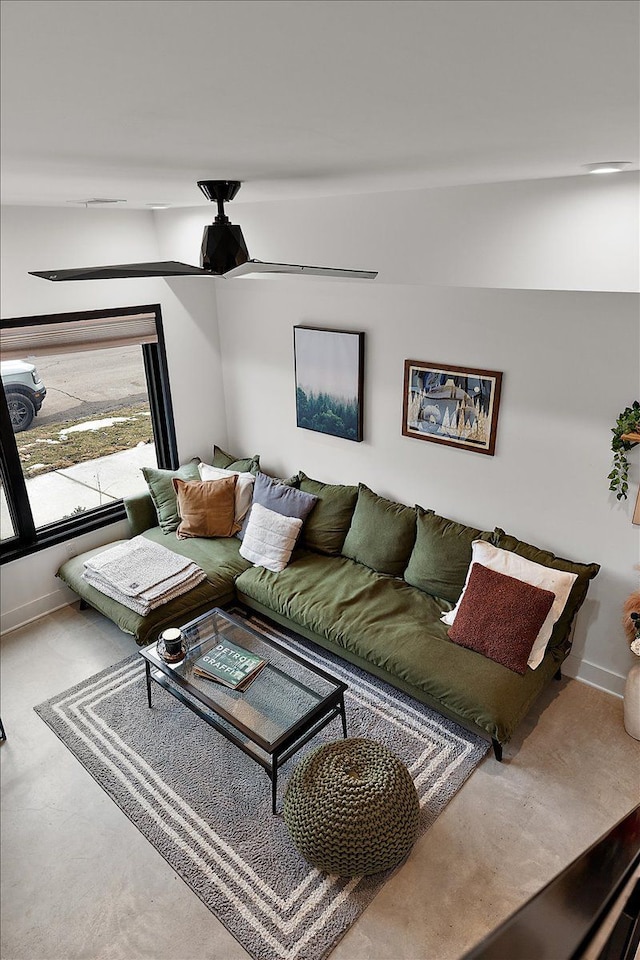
(223,248)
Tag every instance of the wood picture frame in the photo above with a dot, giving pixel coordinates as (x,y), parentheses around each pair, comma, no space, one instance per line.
(453,405)
(329,378)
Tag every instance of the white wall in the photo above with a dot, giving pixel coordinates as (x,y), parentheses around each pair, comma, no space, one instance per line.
(531,279)
(36,238)
(569,354)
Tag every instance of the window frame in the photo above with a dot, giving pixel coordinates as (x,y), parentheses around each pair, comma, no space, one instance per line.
(27,538)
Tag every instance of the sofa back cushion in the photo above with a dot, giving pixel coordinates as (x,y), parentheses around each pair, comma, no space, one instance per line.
(328,523)
(440,559)
(228,462)
(584,573)
(160,483)
(381,534)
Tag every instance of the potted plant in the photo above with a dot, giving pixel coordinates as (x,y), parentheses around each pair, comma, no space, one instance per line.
(626,434)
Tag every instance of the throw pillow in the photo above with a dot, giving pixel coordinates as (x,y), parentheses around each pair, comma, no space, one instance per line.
(440,559)
(160,483)
(269,538)
(242,464)
(278,496)
(500,617)
(382,533)
(503,561)
(583,571)
(206,507)
(326,528)
(244,486)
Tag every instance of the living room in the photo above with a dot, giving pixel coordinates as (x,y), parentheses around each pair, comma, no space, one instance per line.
(530,271)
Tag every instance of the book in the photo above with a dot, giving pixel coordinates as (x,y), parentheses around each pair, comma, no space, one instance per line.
(229,664)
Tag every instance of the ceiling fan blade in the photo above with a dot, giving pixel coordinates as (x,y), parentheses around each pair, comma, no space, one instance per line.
(258,266)
(117,271)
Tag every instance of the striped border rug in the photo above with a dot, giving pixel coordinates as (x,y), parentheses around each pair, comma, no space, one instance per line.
(206,807)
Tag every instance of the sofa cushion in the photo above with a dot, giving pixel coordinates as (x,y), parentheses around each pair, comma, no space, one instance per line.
(500,616)
(207,508)
(269,538)
(441,555)
(160,483)
(219,559)
(241,464)
(396,629)
(584,573)
(281,497)
(327,525)
(381,534)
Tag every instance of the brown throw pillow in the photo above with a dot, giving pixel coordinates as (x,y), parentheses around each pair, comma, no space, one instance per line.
(206,507)
(500,617)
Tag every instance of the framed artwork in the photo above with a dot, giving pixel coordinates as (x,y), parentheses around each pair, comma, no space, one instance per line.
(453,405)
(329,371)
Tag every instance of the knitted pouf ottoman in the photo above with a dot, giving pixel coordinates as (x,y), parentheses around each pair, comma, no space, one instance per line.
(351,808)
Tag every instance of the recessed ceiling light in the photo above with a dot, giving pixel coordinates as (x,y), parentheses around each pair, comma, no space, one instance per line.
(607,166)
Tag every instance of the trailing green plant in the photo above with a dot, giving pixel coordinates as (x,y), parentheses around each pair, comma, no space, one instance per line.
(627,422)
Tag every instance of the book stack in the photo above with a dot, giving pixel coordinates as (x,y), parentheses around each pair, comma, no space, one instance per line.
(229,664)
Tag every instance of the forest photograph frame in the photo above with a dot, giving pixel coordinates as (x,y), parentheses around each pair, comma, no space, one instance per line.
(454,405)
(329,381)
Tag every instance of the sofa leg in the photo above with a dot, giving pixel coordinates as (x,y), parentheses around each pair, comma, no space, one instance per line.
(83,604)
(497,749)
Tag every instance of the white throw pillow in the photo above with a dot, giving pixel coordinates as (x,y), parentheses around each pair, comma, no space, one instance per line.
(244,486)
(504,561)
(269,538)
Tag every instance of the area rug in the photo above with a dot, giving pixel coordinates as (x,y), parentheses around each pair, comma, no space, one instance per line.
(206,806)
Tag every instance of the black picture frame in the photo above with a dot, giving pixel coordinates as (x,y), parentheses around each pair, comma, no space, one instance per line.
(329,381)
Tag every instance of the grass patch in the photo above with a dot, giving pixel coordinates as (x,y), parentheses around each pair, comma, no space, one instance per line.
(43,449)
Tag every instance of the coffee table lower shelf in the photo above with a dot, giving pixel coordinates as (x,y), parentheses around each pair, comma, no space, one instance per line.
(282,750)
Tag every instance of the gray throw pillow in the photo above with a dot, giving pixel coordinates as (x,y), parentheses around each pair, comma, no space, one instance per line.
(278,496)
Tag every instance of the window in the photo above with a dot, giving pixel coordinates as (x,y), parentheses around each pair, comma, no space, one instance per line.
(85,404)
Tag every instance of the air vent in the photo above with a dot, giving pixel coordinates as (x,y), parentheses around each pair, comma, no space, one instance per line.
(95,202)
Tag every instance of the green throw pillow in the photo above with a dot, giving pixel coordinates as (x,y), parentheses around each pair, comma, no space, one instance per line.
(160,483)
(584,572)
(326,526)
(441,556)
(226,462)
(382,533)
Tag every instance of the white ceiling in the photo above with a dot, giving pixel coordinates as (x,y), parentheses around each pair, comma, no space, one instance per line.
(137,99)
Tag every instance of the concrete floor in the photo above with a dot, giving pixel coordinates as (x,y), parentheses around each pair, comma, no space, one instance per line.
(79,881)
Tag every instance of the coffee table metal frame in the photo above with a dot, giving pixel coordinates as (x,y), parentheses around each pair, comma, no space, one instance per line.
(285,746)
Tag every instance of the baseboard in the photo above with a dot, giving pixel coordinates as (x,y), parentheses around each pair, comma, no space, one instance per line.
(28,612)
(594,676)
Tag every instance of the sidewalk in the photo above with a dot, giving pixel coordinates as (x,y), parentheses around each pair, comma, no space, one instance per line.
(60,493)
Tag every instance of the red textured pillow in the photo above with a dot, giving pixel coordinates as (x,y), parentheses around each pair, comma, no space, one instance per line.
(500,617)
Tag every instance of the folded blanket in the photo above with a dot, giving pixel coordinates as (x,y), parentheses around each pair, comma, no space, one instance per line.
(138,604)
(141,574)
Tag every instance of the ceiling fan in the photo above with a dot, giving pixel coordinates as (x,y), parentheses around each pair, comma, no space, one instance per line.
(224,253)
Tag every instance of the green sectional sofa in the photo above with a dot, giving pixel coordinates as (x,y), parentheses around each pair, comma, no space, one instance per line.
(369,580)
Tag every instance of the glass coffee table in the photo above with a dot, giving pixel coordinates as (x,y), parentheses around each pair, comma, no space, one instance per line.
(284,707)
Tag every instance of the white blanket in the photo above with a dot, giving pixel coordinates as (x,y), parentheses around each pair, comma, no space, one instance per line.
(141,574)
